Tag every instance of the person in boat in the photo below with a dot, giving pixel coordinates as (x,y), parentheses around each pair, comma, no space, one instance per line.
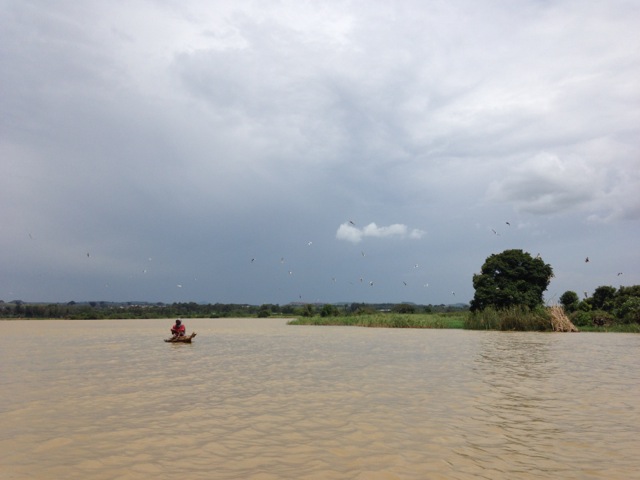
(178,330)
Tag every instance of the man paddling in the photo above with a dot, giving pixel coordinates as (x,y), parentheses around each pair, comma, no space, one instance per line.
(178,330)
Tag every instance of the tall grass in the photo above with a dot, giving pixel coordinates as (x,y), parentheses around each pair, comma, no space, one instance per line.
(518,318)
(389,320)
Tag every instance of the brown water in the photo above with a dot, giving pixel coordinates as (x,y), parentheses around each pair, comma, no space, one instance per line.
(257,399)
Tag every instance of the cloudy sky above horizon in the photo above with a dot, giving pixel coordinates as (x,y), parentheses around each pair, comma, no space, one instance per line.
(269,152)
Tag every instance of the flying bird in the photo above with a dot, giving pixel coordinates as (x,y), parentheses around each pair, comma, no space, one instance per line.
(405,283)
(496,233)
(619,273)
(586,260)
(508,223)
(309,243)
(363,254)
(352,223)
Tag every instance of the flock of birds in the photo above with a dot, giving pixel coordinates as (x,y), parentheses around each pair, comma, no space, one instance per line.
(360,279)
(356,279)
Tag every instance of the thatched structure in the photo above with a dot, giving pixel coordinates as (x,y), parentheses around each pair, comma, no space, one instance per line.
(560,321)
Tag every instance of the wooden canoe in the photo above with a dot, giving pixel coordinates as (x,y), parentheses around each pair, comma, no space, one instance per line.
(183,339)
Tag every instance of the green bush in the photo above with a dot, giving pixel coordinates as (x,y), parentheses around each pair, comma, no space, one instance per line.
(403,308)
(601,318)
(307,310)
(629,311)
(328,310)
(581,318)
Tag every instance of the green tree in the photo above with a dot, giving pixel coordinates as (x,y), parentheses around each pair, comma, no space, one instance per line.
(329,310)
(569,301)
(629,311)
(264,311)
(603,298)
(511,278)
(307,310)
(403,308)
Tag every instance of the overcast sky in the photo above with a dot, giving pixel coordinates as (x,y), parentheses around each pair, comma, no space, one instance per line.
(358,151)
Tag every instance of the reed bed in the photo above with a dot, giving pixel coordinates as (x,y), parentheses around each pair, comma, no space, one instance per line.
(515,318)
(388,320)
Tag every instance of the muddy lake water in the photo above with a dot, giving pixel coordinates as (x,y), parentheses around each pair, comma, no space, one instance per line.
(258,399)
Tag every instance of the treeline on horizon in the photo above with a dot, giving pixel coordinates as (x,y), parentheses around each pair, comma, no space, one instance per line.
(605,307)
(141,310)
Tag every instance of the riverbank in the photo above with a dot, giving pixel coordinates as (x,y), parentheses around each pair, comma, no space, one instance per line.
(389,320)
(454,320)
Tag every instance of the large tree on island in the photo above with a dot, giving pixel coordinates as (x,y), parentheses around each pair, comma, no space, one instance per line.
(511,278)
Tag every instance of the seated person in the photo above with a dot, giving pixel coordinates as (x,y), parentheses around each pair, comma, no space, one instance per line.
(178,330)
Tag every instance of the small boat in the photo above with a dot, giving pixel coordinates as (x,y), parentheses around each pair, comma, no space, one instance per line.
(183,339)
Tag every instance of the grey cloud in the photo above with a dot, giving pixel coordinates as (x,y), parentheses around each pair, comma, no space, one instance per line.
(200,133)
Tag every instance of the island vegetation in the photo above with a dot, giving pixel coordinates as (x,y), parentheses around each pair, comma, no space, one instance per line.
(508,296)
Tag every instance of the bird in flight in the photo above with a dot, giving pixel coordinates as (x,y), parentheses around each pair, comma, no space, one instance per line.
(586,260)
(508,223)
(352,223)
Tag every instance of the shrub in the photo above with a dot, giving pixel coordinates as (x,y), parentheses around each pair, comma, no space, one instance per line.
(601,318)
(404,308)
(629,311)
(328,311)
(580,318)
(307,310)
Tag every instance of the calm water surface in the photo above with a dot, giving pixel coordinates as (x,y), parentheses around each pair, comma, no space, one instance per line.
(257,399)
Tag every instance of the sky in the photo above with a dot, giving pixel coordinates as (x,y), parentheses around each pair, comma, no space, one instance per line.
(299,151)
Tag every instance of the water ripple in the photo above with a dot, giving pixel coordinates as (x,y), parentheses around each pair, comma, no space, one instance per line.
(256,399)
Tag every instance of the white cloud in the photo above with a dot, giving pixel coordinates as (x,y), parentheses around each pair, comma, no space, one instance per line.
(353,234)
